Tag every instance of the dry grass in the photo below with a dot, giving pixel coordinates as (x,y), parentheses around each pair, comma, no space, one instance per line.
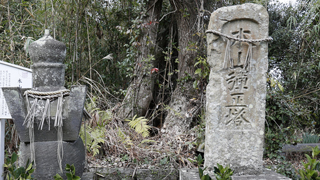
(127,149)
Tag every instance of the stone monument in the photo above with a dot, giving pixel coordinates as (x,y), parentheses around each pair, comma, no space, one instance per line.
(238,56)
(48,116)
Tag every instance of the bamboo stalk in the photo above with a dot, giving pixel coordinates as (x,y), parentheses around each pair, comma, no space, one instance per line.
(10,28)
(53,23)
(75,57)
(89,50)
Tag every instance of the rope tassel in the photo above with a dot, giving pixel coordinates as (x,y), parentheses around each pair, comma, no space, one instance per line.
(29,120)
(58,120)
(46,114)
(59,123)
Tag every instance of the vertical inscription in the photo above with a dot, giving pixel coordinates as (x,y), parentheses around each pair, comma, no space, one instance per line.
(5,78)
(237,61)
(237,82)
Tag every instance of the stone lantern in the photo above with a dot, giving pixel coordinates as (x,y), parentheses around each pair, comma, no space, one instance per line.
(48,116)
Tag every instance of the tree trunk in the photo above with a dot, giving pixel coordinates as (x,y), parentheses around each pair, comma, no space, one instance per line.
(139,92)
(181,109)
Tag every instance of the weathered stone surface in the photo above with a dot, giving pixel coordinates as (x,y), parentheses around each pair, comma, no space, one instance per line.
(47,50)
(48,71)
(139,174)
(48,76)
(87,176)
(237,88)
(16,106)
(266,174)
(72,115)
(46,158)
(299,147)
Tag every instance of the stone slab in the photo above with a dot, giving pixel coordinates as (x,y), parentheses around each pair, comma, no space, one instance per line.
(300,147)
(46,158)
(72,115)
(127,173)
(193,174)
(236,92)
(87,176)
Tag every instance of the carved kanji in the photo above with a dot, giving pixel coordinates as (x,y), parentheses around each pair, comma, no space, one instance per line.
(237,110)
(237,81)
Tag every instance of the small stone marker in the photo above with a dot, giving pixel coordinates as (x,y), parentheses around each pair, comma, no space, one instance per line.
(238,55)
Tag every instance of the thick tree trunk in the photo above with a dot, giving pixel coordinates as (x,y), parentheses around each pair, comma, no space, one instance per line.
(181,108)
(139,93)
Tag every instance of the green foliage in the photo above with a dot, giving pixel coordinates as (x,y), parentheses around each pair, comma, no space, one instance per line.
(220,172)
(164,161)
(275,83)
(140,125)
(17,173)
(292,21)
(310,138)
(95,128)
(309,172)
(293,93)
(275,139)
(283,167)
(124,138)
(200,130)
(100,117)
(202,71)
(201,175)
(70,175)
(223,173)
(94,137)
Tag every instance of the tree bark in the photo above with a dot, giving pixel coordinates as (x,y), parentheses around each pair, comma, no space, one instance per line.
(181,109)
(139,92)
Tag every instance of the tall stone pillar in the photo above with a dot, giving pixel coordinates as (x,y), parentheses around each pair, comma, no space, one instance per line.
(48,116)
(238,56)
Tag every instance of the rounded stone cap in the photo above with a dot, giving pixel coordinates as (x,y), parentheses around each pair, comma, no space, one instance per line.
(47,49)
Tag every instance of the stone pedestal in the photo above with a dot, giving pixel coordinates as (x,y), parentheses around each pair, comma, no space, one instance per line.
(73,106)
(46,158)
(266,174)
(236,93)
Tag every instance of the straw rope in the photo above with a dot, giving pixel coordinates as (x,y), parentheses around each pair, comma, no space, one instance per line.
(238,39)
(227,56)
(58,123)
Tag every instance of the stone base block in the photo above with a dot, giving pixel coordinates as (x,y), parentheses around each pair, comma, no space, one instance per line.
(130,173)
(46,158)
(193,174)
(306,147)
(72,115)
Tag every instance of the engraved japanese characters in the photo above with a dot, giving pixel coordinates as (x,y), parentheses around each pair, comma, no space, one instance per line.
(237,54)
